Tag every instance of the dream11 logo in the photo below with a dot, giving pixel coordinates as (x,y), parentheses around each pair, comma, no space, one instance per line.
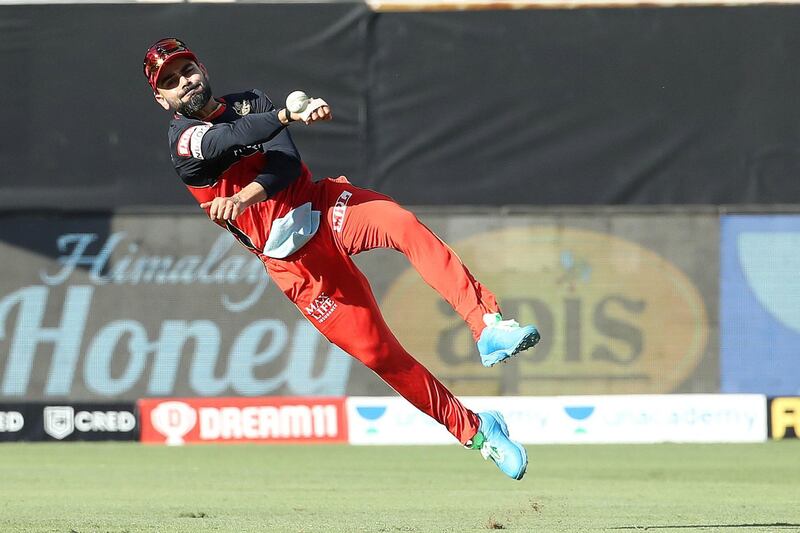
(240,419)
(174,420)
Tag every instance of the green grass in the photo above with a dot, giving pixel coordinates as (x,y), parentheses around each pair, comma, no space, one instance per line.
(118,488)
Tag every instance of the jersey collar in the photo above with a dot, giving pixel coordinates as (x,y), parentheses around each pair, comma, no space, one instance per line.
(217,112)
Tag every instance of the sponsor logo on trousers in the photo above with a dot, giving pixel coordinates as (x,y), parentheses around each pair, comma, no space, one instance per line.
(11,421)
(321,308)
(61,421)
(339,209)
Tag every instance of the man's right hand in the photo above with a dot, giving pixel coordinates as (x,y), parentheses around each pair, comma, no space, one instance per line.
(224,208)
(316,110)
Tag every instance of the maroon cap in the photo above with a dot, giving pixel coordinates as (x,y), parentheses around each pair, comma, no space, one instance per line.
(161,52)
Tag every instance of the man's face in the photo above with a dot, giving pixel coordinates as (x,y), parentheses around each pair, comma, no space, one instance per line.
(183,86)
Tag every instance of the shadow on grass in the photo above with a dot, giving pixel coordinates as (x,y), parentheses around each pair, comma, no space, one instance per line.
(782,525)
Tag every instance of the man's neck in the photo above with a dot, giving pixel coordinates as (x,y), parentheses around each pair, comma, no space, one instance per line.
(209,109)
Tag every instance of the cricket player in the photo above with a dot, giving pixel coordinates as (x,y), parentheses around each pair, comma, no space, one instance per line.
(236,156)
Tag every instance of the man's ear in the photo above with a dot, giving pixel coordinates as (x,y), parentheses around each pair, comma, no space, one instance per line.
(162,101)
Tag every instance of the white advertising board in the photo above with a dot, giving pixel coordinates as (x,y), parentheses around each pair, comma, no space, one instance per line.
(575,419)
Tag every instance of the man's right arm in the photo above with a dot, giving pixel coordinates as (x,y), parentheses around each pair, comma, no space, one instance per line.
(207,141)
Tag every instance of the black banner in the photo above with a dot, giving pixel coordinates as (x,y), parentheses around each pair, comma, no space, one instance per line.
(82,131)
(519,107)
(68,422)
(586,106)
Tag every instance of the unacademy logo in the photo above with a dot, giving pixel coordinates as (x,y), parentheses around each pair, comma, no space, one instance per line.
(371,413)
(579,413)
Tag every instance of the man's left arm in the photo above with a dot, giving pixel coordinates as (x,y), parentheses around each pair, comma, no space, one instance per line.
(282,165)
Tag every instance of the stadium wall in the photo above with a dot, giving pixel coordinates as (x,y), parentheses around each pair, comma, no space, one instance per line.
(115,308)
(97,308)
(113,293)
(638,419)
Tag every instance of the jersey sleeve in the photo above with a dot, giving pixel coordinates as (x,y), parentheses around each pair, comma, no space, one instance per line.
(282,165)
(201,151)
(192,171)
(207,141)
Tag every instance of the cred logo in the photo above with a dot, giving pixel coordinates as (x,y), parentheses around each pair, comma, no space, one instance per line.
(11,421)
(61,421)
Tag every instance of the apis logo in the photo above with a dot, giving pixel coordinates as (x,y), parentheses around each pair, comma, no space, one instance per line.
(321,308)
(615,317)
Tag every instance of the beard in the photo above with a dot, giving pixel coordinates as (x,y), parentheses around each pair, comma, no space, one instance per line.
(196,102)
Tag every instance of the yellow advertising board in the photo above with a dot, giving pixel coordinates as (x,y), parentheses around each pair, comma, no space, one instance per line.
(615,316)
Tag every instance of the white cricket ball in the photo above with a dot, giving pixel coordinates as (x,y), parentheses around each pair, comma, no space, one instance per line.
(297,101)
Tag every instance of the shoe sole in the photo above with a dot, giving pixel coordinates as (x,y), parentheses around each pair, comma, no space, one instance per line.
(528,341)
(498,416)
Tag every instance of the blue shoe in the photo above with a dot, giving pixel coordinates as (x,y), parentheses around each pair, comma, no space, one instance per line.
(502,339)
(493,442)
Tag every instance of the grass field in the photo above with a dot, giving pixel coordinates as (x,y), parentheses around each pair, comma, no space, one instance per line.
(108,487)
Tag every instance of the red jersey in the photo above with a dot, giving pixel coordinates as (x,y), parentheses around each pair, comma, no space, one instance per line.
(241,142)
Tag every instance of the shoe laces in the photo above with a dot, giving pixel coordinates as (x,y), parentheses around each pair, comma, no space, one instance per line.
(495,320)
(506,324)
(487,451)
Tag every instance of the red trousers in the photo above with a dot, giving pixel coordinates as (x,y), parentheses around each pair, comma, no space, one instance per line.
(335,296)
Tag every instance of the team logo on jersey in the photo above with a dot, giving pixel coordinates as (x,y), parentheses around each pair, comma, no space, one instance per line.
(242,108)
(321,308)
(190,142)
